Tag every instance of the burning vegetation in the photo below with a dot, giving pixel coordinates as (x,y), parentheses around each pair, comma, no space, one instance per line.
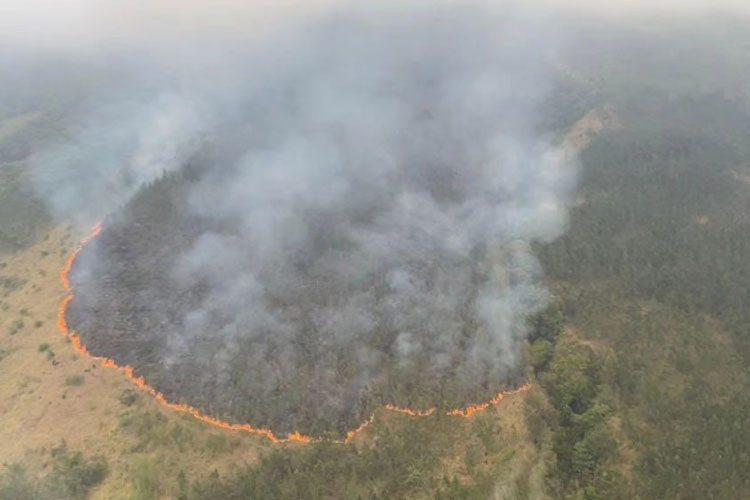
(291,436)
(309,238)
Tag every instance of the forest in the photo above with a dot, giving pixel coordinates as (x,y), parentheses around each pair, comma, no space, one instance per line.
(638,363)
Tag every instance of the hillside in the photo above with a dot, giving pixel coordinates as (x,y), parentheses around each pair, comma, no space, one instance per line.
(637,364)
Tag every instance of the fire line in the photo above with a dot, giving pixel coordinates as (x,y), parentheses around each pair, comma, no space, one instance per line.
(294,437)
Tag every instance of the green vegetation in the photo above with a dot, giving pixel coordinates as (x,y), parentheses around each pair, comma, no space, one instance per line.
(129,397)
(644,394)
(74,380)
(22,214)
(15,327)
(72,477)
(216,444)
(4,353)
(144,477)
(577,412)
(10,284)
(402,462)
(153,431)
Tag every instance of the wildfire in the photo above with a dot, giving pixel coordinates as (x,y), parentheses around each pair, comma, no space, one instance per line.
(471,410)
(409,411)
(294,437)
(71,260)
(352,434)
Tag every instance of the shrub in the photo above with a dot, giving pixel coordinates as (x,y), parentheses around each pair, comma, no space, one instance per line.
(73,474)
(128,397)
(15,485)
(74,380)
(72,478)
(15,327)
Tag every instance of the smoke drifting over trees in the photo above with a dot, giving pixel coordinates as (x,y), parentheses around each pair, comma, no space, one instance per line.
(348,219)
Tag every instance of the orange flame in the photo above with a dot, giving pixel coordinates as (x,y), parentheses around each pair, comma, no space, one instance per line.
(409,411)
(471,410)
(353,433)
(97,229)
(294,437)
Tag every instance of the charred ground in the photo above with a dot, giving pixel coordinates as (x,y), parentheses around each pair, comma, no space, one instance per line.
(129,305)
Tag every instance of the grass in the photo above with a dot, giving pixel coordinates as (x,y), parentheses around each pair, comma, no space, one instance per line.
(218,443)
(144,476)
(179,441)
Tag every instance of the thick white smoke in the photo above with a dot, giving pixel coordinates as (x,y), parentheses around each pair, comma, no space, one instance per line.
(116,149)
(387,154)
(373,181)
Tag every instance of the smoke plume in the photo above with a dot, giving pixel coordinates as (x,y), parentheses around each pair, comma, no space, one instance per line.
(368,186)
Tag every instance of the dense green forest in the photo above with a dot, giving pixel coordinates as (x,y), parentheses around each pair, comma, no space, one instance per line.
(647,388)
